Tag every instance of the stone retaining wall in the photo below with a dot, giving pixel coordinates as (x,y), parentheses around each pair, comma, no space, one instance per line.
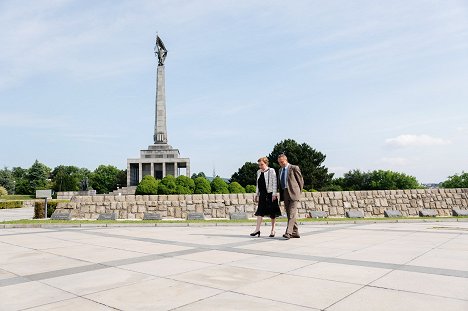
(371,203)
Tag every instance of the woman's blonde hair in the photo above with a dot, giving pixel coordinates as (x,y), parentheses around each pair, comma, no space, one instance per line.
(264,160)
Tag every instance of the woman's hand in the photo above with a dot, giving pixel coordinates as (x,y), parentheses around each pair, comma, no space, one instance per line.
(274,197)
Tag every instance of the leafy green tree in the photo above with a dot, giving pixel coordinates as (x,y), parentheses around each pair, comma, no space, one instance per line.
(68,178)
(6,180)
(202,185)
(122,178)
(388,180)
(105,178)
(167,185)
(456,181)
(353,180)
(235,187)
(218,185)
(250,189)
(185,185)
(310,161)
(201,174)
(37,175)
(147,185)
(246,175)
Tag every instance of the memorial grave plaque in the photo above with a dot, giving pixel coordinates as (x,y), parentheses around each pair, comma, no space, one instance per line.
(318,214)
(354,214)
(107,216)
(238,216)
(61,216)
(428,213)
(152,216)
(195,216)
(459,212)
(392,213)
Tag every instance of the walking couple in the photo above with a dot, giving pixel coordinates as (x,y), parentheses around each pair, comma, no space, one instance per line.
(291,184)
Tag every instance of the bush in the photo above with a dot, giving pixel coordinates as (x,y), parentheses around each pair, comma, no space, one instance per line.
(456,181)
(331,187)
(250,189)
(202,186)
(148,185)
(167,185)
(185,185)
(11,204)
(39,208)
(235,187)
(219,186)
(3,191)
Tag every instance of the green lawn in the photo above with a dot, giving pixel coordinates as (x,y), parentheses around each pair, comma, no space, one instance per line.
(17,197)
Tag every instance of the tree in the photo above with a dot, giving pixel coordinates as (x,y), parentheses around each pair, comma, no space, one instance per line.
(122,178)
(7,180)
(456,181)
(235,187)
(376,180)
(310,161)
(37,175)
(202,185)
(148,185)
(201,174)
(68,178)
(105,178)
(246,175)
(167,185)
(353,180)
(185,185)
(218,185)
(250,189)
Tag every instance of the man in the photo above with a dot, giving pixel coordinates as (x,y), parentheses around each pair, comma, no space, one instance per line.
(291,184)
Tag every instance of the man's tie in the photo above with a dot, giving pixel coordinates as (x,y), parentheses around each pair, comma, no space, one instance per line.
(283,178)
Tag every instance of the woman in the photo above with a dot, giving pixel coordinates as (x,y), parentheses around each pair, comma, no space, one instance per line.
(266,196)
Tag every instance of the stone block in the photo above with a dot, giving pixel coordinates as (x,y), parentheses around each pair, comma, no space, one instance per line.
(354,214)
(428,213)
(106,216)
(238,215)
(60,215)
(152,216)
(459,212)
(195,216)
(392,213)
(318,214)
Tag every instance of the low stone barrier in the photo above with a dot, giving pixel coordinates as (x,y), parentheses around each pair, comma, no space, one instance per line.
(335,204)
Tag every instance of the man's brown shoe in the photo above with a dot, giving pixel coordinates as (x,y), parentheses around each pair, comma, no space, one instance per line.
(295,236)
(286,236)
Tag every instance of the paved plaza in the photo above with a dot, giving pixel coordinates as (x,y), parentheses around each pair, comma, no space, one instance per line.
(364,266)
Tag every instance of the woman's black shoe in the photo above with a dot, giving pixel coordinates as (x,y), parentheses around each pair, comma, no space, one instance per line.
(255,233)
(272,235)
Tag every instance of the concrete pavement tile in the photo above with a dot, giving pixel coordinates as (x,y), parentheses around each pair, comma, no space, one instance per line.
(224,277)
(6,275)
(437,285)
(37,262)
(38,242)
(303,291)
(166,266)
(273,264)
(95,281)
(321,251)
(372,299)
(443,258)
(460,243)
(74,304)
(157,294)
(93,253)
(216,257)
(341,273)
(382,253)
(135,246)
(31,294)
(234,302)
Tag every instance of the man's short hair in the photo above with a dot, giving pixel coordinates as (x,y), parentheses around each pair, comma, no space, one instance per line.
(282,155)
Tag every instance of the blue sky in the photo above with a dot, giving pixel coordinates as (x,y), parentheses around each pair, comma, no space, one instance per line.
(371,84)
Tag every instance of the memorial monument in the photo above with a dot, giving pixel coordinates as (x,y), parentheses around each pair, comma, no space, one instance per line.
(160,159)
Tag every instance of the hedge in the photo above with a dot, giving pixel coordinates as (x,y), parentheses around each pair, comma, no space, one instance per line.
(39,208)
(10,204)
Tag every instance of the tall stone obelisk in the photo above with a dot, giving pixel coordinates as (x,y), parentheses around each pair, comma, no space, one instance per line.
(160,129)
(160,159)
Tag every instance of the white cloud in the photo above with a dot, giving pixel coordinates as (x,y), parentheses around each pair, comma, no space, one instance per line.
(410,140)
